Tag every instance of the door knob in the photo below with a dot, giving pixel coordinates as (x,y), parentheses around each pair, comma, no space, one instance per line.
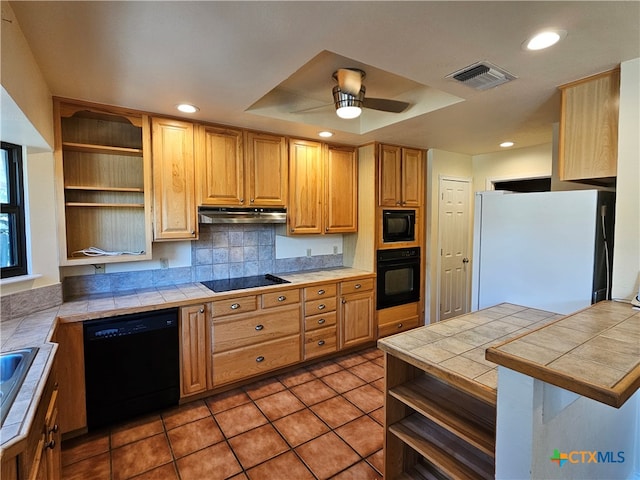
(465,260)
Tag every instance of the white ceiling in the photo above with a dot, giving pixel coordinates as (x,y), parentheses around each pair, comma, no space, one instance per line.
(226,56)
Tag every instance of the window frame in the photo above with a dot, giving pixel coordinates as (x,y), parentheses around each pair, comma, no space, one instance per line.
(15,208)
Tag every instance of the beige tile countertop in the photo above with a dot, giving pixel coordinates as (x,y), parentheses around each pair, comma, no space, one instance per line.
(594,352)
(36,329)
(454,350)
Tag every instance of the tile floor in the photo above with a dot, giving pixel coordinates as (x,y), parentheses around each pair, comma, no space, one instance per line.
(318,422)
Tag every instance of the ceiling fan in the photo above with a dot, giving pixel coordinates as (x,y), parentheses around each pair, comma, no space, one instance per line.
(349,96)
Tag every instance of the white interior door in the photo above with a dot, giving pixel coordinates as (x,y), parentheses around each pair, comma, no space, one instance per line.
(454,274)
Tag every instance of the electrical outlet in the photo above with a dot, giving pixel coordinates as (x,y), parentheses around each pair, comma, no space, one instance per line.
(99,267)
(164,263)
(308,252)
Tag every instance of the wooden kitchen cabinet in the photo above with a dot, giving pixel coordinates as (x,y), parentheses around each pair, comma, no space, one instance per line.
(320,320)
(174,195)
(588,139)
(195,349)
(356,316)
(103,178)
(398,319)
(255,334)
(323,188)
(266,170)
(400,176)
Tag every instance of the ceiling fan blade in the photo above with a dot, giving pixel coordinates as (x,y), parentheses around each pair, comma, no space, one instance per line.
(385,105)
(350,80)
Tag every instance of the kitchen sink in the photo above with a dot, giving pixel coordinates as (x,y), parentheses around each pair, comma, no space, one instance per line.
(13,368)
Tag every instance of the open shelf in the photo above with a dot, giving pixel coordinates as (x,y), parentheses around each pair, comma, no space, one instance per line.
(114,205)
(445,451)
(468,418)
(90,148)
(103,189)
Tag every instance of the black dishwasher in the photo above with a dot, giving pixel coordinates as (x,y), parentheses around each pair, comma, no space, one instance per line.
(131,365)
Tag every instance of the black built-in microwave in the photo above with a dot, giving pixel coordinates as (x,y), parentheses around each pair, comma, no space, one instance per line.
(398,226)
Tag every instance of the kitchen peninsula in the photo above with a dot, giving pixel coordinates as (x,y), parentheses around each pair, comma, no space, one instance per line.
(444,398)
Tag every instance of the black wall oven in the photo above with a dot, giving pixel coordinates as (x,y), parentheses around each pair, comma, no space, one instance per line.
(398,226)
(398,276)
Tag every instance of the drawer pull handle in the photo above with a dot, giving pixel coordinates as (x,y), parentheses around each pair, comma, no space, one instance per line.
(357,286)
(282,298)
(320,342)
(400,325)
(51,444)
(235,306)
(259,327)
(322,306)
(321,292)
(321,321)
(260,359)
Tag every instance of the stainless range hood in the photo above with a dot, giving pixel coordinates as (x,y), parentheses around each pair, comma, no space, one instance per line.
(241,215)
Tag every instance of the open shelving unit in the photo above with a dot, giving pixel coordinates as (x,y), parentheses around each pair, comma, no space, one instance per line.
(435,430)
(103,174)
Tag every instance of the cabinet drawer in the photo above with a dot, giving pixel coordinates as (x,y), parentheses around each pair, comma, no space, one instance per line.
(277,299)
(254,328)
(233,306)
(320,342)
(313,307)
(320,291)
(355,286)
(322,320)
(397,327)
(255,359)
(397,314)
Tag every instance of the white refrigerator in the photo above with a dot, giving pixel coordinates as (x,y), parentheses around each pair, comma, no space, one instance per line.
(547,250)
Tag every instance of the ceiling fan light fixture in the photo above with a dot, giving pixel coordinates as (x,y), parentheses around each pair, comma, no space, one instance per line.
(348,106)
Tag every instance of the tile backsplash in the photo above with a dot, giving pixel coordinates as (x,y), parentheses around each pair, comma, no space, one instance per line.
(222,251)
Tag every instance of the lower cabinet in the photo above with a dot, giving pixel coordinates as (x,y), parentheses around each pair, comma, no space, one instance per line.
(356,312)
(398,319)
(195,349)
(320,320)
(40,459)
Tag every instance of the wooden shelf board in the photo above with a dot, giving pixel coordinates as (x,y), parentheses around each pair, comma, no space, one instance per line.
(439,447)
(104,189)
(102,205)
(89,148)
(465,416)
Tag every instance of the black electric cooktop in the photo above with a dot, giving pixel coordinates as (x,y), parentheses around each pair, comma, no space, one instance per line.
(243,282)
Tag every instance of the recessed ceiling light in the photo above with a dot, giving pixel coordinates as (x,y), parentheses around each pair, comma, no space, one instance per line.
(506,144)
(325,134)
(187,108)
(544,39)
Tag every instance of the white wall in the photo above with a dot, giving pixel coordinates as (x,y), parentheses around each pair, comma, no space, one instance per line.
(626,249)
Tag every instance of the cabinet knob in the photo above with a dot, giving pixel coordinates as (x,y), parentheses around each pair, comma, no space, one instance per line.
(242,200)
(201,310)
(50,444)
(322,306)
(320,342)
(252,200)
(259,327)
(54,429)
(357,286)
(235,306)
(400,325)
(321,292)
(282,298)
(259,359)
(326,229)
(193,232)
(321,321)
(292,230)
(344,301)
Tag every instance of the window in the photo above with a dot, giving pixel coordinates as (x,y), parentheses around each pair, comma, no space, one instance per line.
(13,251)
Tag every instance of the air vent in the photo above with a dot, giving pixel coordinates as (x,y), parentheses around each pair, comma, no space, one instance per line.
(482,76)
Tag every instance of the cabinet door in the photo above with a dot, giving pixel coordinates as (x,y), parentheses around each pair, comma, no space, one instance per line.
(220,167)
(588,146)
(356,319)
(194,348)
(266,170)
(341,191)
(389,179)
(305,202)
(174,209)
(412,177)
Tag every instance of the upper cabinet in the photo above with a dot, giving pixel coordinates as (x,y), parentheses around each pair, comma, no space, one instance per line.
(241,169)
(400,177)
(323,188)
(174,212)
(588,141)
(103,178)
